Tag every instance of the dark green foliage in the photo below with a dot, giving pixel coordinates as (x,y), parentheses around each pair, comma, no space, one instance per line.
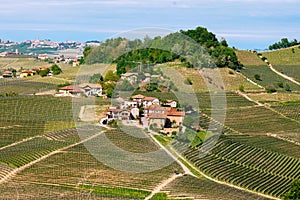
(294,192)
(188,81)
(135,58)
(130,54)
(126,86)
(284,43)
(219,51)
(152,87)
(271,89)
(242,88)
(96,78)
(287,88)
(160,196)
(87,51)
(280,85)
(111,76)
(113,123)
(55,69)
(257,77)
(44,72)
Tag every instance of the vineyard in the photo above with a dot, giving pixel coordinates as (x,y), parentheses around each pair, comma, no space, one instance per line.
(27,116)
(267,77)
(290,70)
(26,152)
(66,170)
(201,188)
(259,120)
(246,166)
(290,110)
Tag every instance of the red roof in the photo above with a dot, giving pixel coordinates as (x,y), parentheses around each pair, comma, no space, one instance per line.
(7,72)
(175,112)
(72,88)
(26,71)
(149,99)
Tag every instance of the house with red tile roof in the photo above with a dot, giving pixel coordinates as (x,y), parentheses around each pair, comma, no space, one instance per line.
(70,91)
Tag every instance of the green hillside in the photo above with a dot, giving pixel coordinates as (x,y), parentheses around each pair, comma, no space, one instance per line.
(288,56)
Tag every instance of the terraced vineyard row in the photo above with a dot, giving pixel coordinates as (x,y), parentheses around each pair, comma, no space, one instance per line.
(259,120)
(245,166)
(289,110)
(268,143)
(26,152)
(4,170)
(200,188)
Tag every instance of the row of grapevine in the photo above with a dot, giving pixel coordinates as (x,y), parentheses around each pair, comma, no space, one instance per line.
(26,152)
(246,166)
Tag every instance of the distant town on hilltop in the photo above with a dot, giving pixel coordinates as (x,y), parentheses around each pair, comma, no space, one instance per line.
(45,46)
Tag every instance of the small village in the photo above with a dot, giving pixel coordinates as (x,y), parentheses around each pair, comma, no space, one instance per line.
(148,113)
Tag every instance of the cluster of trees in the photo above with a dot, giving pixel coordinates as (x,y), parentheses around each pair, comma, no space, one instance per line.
(138,57)
(294,192)
(221,53)
(108,82)
(284,43)
(196,48)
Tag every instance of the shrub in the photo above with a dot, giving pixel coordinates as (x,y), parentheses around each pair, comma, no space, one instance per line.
(231,72)
(257,77)
(280,85)
(55,69)
(287,88)
(242,88)
(188,81)
(271,89)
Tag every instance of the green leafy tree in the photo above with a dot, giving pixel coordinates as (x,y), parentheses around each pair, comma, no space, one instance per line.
(96,78)
(55,69)
(44,72)
(111,76)
(294,192)
(257,77)
(126,86)
(87,51)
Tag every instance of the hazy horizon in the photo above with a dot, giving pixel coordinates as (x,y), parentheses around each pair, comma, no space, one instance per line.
(245,25)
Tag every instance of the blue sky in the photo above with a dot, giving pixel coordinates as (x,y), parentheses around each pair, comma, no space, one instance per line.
(245,24)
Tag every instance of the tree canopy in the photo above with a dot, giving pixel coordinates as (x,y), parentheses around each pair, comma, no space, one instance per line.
(284,43)
(197,47)
(294,192)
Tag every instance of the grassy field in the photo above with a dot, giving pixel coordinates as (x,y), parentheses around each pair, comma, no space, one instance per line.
(248,58)
(284,56)
(18,63)
(290,70)
(267,77)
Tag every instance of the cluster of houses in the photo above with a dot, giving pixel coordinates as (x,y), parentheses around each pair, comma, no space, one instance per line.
(84,89)
(75,61)
(25,73)
(133,77)
(151,113)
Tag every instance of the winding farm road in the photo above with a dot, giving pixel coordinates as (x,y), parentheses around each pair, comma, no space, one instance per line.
(283,75)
